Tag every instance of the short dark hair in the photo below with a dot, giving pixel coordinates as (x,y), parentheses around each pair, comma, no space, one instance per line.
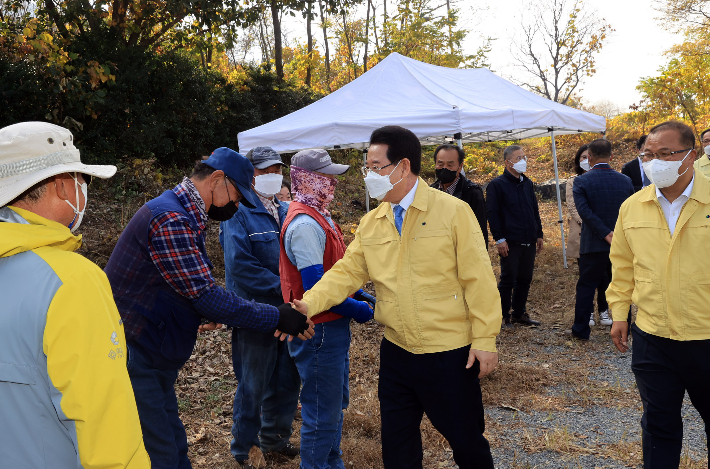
(577,168)
(687,137)
(702,134)
(33,194)
(642,140)
(509,150)
(401,143)
(286,184)
(201,171)
(448,146)
(600,148)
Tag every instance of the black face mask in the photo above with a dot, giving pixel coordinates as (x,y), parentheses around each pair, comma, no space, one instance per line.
(225,212)
(446,176)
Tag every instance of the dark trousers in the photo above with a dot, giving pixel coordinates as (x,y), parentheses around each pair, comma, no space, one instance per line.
(664,370)
(163,433)
(267,395)
(516,273)
(594,272)
(440,385)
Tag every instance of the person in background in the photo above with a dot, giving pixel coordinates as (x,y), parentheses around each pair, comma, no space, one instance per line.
(514,218)
(267,395)
(437,300)
(581,165)
(162,283)
(65,396)
(598,195)
(311,244)
(284,195)
(702,164)
(451,179)
(659,256)
(634,168)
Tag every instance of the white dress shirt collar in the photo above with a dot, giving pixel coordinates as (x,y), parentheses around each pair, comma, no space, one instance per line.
(409,198)
(672,210)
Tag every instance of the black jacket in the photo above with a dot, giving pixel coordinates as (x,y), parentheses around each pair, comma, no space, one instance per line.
(512,209)
(632,170)
(472,194)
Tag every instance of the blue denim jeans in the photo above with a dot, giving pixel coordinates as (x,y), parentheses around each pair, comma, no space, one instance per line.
(267,393)
(163,433)
(324,365)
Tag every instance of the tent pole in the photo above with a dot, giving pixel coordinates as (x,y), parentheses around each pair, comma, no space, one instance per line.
(559,200)
(367,195)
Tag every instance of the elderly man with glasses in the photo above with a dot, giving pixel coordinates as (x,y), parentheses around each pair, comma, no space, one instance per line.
(659,256)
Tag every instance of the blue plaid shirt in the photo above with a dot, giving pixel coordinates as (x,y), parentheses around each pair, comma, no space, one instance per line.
(174,250)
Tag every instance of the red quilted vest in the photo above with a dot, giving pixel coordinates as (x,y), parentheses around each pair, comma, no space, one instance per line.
(291,284)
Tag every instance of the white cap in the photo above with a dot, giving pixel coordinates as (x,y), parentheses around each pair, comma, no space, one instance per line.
(31,152)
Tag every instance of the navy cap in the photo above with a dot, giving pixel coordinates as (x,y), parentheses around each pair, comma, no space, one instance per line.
(238,169)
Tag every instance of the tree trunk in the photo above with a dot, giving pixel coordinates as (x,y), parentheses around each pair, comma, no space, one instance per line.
(448,13)
(278,48)
(367,37)
(349,43)
(374,26)
(309,37)
(325,41)
(384,28)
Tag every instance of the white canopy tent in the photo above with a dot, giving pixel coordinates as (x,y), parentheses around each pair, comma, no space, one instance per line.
(436,103)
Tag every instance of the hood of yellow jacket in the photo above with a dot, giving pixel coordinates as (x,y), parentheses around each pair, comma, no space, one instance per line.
(22,230)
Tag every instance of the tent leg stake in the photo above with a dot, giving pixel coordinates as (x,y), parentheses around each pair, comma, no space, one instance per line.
(559,200)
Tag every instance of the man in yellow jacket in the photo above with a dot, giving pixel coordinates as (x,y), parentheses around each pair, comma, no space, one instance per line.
(66,401)
(702,164)
(659,256)
(436,296)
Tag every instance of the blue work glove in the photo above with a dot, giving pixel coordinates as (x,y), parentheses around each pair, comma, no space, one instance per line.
(362,295)
(358,310)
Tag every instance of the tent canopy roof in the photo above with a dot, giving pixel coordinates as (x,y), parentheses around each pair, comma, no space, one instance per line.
(433,102)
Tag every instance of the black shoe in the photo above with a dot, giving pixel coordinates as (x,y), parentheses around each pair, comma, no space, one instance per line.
(506,324)
(524,319)
(289,451)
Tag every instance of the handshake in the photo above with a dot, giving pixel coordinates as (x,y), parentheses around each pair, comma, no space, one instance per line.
(294,322)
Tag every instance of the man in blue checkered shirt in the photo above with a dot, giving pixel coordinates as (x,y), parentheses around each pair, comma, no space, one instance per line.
(162,282)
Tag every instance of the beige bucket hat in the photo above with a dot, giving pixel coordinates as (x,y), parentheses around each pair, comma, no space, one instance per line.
(31,152)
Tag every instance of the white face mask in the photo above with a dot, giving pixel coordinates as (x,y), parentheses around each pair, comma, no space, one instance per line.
(584,164)
(378,186)
(78,214)
(268,184)
(707,150)
(664,173)
(521,166)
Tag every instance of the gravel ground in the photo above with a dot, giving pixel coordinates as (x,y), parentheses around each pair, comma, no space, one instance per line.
(519,436)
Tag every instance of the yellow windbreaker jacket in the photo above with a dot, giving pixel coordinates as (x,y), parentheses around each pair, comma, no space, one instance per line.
(435,287)
(668,278)
(66,400)
(702,165)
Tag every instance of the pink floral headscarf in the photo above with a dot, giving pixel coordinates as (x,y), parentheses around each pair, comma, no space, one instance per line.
(315,190)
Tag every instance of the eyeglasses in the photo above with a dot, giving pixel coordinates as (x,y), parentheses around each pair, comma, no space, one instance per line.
(377,170)
(662,154)
(234,184)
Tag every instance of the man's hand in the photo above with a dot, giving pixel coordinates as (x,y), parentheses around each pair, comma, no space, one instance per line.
(503,249)
(210,326)
(487,360)
(609,237)
(300,306)
(539,245)
(620,335)
(293,323)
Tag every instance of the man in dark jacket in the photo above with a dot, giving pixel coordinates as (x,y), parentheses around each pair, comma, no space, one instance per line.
(267,396)
(514,218)
(634,168)
(598,195)
(451,179)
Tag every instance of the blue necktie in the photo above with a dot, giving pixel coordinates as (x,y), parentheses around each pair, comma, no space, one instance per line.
(398,218)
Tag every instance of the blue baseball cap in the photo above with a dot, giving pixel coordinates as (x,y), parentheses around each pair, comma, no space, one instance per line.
(238,169)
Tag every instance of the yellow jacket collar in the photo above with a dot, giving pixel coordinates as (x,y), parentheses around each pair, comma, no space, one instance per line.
(421,199)
(701,191)
(37,232)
